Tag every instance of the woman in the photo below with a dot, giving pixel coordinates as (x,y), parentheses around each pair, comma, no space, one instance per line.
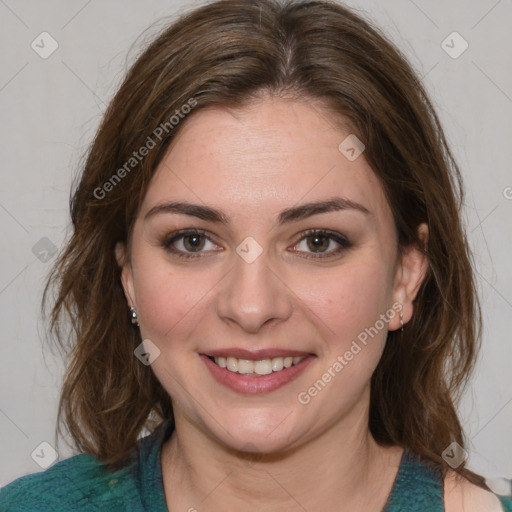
(268,270)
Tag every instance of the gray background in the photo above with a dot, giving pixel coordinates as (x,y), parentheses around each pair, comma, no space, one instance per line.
(51,107)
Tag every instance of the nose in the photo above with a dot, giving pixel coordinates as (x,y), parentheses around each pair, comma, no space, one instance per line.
(253,295)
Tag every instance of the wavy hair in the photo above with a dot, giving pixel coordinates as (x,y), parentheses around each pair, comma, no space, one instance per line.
(227,53)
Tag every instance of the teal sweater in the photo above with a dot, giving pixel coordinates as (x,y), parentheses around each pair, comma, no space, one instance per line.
(82,484)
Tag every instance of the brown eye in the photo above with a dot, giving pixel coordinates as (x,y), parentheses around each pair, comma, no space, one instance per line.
(187,243)
(193,242)
(318,241)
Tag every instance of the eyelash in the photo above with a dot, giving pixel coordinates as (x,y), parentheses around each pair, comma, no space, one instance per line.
(332,235)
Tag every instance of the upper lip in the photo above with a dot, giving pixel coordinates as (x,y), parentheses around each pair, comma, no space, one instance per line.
(255,355)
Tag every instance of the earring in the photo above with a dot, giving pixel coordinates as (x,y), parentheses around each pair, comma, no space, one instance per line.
(133,316)
(401,322)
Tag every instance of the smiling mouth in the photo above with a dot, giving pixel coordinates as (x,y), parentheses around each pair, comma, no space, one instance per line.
(256,368)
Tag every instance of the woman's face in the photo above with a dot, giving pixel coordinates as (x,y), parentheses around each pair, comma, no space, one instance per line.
(255,287)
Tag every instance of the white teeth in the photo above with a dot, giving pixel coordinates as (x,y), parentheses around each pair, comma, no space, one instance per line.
(261,367)
(232,364)
(245,366)
(277,364)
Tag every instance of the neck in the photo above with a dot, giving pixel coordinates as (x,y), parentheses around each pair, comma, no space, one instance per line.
(344,466)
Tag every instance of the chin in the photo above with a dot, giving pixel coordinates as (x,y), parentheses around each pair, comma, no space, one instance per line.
(257,430)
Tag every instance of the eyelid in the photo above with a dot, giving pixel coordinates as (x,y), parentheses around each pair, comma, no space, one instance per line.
(342,241)
(182,233)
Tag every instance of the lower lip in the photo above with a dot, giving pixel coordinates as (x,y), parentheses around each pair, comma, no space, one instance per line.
(251,384)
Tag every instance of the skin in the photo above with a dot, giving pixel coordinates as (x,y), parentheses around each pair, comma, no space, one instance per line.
(252,163)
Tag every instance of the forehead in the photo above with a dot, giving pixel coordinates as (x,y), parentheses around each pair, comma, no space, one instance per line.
(261,158)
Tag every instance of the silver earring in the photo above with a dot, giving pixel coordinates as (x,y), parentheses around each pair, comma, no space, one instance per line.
(133,316)
(401,322)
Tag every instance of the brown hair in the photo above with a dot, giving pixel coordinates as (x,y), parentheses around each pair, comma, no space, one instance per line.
(227,53)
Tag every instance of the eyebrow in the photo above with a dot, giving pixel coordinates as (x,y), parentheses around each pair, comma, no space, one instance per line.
(288,215)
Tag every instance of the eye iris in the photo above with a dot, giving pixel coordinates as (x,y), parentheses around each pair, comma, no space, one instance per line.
(197,244)
(315,245)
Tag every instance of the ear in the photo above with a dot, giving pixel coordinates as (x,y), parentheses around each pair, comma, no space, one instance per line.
(410,273)
(126,273)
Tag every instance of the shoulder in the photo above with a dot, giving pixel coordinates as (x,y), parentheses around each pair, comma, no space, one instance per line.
(78,483)
(460,495)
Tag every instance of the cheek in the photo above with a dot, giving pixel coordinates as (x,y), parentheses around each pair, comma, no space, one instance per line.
(347,308)
(348,300)
(350,307)
(168,299)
